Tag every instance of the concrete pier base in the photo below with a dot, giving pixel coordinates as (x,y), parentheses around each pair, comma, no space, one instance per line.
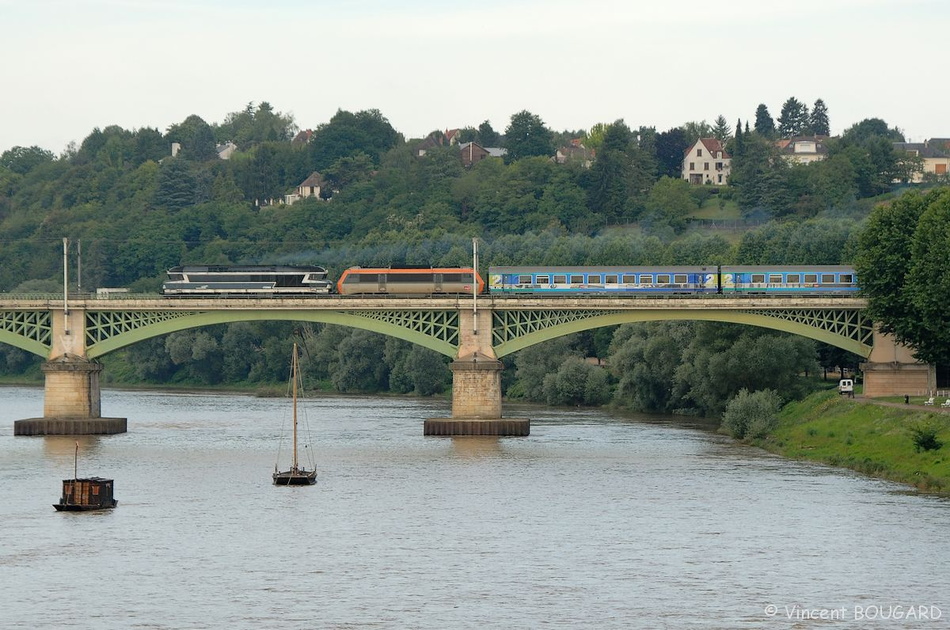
(453,427)
(71,401)
(70,426)
(476,402)
(896,379)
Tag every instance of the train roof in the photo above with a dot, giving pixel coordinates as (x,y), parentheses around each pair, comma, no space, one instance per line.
(787,268)
(601,269)
(246,269)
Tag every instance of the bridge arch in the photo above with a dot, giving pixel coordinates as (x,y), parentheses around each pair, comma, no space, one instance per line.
(110,331)
(846,330)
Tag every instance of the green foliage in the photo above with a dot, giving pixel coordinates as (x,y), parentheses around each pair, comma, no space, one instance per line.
(764,125)
(794,119)
(925,437)
(22,160)
(752,414)
(526,136)
(348,134)
(902,264)
(818,122)
(576,383)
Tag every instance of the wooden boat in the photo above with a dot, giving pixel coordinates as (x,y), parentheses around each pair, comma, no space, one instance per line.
(296,475)
(90,493)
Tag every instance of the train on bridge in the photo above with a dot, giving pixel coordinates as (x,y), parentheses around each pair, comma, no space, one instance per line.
(301,281)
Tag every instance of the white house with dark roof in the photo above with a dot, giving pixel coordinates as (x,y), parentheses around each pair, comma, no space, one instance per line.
(803,149)
(706,162)
(934,155)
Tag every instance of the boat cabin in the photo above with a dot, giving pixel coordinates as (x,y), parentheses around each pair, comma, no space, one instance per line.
(92,493)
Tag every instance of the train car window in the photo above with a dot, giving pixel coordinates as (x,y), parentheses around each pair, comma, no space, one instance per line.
(524,279)
(775,278)
(630,279)
(662,278)
(594,278)
(577,279)
(811,278)
(646,279)
(793,278)
(680,278)
(545,279)
(846,278)
(827,278)
(611,279)
(176,277)
(560,279)
(758,277)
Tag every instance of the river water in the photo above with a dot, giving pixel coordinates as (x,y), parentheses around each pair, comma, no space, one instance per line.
(594,521)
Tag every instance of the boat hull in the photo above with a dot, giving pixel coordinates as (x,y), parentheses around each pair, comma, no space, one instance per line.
(72,507)
(295,478)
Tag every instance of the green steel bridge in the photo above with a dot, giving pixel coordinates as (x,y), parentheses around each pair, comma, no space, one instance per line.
(474,331)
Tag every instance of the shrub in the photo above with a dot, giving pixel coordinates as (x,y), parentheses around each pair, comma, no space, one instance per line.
(752,414)
(925,438)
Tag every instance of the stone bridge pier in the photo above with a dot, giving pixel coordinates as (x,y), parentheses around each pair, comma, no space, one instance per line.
(476,385)
(71,396)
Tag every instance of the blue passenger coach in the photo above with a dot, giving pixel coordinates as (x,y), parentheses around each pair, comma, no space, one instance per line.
(788,279)
(604,280)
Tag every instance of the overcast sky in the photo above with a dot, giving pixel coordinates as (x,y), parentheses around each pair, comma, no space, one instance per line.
(69,66)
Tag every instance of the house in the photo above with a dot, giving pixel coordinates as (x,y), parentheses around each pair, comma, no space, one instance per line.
(303,137)
(472,153)
(575,152)
(803,149)
(437,139)
(934,155)
(706,162)
(309,187)
(225,150)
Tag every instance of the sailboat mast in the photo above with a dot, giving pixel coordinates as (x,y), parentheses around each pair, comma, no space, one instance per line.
(293,376)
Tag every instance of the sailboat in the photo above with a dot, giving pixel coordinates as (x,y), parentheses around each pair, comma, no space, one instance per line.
(81,495)
(296,476)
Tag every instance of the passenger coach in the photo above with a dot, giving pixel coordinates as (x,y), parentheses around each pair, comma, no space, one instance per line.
(787,279)
(609,280)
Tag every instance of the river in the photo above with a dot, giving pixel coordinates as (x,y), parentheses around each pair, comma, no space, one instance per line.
(597,520)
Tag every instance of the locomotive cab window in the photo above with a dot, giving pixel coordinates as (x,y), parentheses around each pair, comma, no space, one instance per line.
(758,278)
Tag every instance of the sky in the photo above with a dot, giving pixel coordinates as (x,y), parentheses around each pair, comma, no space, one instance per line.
(69,66)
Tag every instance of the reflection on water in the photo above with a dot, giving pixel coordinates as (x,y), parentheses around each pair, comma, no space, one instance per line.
(594,521)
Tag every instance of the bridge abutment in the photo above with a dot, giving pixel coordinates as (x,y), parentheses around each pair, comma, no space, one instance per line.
(892,370)
(71,402)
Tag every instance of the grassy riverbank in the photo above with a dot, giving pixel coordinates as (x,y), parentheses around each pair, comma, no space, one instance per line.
(870,438)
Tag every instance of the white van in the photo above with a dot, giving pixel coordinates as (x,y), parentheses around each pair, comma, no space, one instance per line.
(846,386)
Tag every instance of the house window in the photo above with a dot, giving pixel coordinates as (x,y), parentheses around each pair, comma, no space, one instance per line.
(692,166)
(705,166)
(718,166)
(699,153)
(940,169)
(719,178)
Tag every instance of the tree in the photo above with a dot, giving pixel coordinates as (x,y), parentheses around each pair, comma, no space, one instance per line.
(526,136)
(764,125)
(721,129)
(902,267)
(793,121)
(752,414)
(488,137)
(196,138)
(696,130)
(869,128)
(22,160)
(819,119)
(348,134)
(670,147)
